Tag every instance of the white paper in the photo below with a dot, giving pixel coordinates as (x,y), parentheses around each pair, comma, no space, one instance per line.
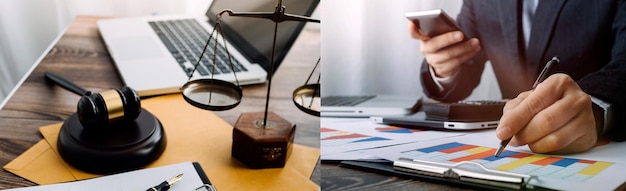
(340,135)
(350,155)
(130,181)
(566,177)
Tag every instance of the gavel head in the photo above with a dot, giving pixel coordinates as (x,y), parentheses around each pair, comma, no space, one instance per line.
(98,110)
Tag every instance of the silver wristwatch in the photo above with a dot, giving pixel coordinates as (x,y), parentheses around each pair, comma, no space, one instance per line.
(608,113)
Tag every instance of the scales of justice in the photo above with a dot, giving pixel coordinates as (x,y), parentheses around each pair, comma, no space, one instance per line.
(260,139)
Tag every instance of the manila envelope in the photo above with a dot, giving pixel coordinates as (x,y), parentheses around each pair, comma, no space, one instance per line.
(192,135)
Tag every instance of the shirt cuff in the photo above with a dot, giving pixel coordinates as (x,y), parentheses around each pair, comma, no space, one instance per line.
(442,83)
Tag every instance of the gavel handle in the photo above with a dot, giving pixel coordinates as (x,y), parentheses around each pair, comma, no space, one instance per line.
(65,83)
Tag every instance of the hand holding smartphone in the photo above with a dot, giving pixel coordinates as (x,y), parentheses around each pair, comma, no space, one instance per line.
(444,51)
(433,22)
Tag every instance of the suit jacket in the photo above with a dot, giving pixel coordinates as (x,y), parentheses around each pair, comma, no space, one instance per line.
(589,37)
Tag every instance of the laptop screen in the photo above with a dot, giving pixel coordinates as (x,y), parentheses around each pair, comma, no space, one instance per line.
(253,36)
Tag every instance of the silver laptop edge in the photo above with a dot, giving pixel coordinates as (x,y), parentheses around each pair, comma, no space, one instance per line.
(441,124)
(327,111)
(378,105)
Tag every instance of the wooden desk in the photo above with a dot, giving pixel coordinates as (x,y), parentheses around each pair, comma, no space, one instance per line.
(80,56)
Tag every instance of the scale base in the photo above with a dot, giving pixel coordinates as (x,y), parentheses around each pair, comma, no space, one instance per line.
(117,148)
(259,147)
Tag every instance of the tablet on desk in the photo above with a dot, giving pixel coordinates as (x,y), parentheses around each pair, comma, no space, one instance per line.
(418,120)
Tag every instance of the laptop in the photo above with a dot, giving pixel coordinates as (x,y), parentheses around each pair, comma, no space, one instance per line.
(369,105)
(155,55)
(418,120)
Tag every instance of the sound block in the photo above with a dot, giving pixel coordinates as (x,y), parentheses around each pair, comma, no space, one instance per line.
(116,148)
(259,147)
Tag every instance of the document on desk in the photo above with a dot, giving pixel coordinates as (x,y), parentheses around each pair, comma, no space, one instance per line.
(598,169)
(341,135)
(193,177)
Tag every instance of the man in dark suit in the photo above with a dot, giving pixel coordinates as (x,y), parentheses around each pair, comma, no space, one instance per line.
(568,111)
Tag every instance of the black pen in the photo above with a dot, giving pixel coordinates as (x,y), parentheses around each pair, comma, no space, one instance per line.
(542,76)
(165,185)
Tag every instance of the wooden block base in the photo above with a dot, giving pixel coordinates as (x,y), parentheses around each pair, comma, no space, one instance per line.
(259,147)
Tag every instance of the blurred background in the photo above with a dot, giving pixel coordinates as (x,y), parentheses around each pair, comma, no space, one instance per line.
(29,27)
(366,48)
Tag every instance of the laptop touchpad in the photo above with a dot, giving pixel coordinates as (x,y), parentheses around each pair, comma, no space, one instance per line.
(131,48)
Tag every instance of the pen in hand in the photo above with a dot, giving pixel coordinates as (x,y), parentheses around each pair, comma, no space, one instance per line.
(542,76)
(165,185)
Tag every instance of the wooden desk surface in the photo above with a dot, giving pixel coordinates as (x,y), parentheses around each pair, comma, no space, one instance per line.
(80,56)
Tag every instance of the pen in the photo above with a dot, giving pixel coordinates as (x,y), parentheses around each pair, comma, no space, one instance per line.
(165,185)
(542,76)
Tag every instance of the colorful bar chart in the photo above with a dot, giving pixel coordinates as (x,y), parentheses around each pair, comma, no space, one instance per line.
(569,169)
(332,137)
(400,130)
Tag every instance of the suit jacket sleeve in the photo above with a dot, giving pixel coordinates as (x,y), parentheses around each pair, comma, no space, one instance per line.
(609,83)
(469,76)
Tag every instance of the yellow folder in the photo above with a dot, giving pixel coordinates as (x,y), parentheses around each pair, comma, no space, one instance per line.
(192,135)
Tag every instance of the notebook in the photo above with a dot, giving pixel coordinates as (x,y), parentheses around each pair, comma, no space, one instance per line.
(155,55)
(369,105)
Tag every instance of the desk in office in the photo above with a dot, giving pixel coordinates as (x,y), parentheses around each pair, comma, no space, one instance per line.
(80,55)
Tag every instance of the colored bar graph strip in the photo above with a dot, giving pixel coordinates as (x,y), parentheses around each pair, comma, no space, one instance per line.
(370,139)
(486,152)
(505,154)
(565,162)
(348,136)
(440,147)
(523,161)
(520,155)
(547,161)
(595,168)
(586,161)
(392,129)
(323,129)
(457,149)
(479,150)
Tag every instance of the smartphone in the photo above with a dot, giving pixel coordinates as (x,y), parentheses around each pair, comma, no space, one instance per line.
(433,22)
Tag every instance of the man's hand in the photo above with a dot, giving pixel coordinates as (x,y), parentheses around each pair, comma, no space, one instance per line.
(445,52)
(555,117)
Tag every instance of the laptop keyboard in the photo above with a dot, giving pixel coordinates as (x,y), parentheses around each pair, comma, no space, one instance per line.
(185,39)
(345,100)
